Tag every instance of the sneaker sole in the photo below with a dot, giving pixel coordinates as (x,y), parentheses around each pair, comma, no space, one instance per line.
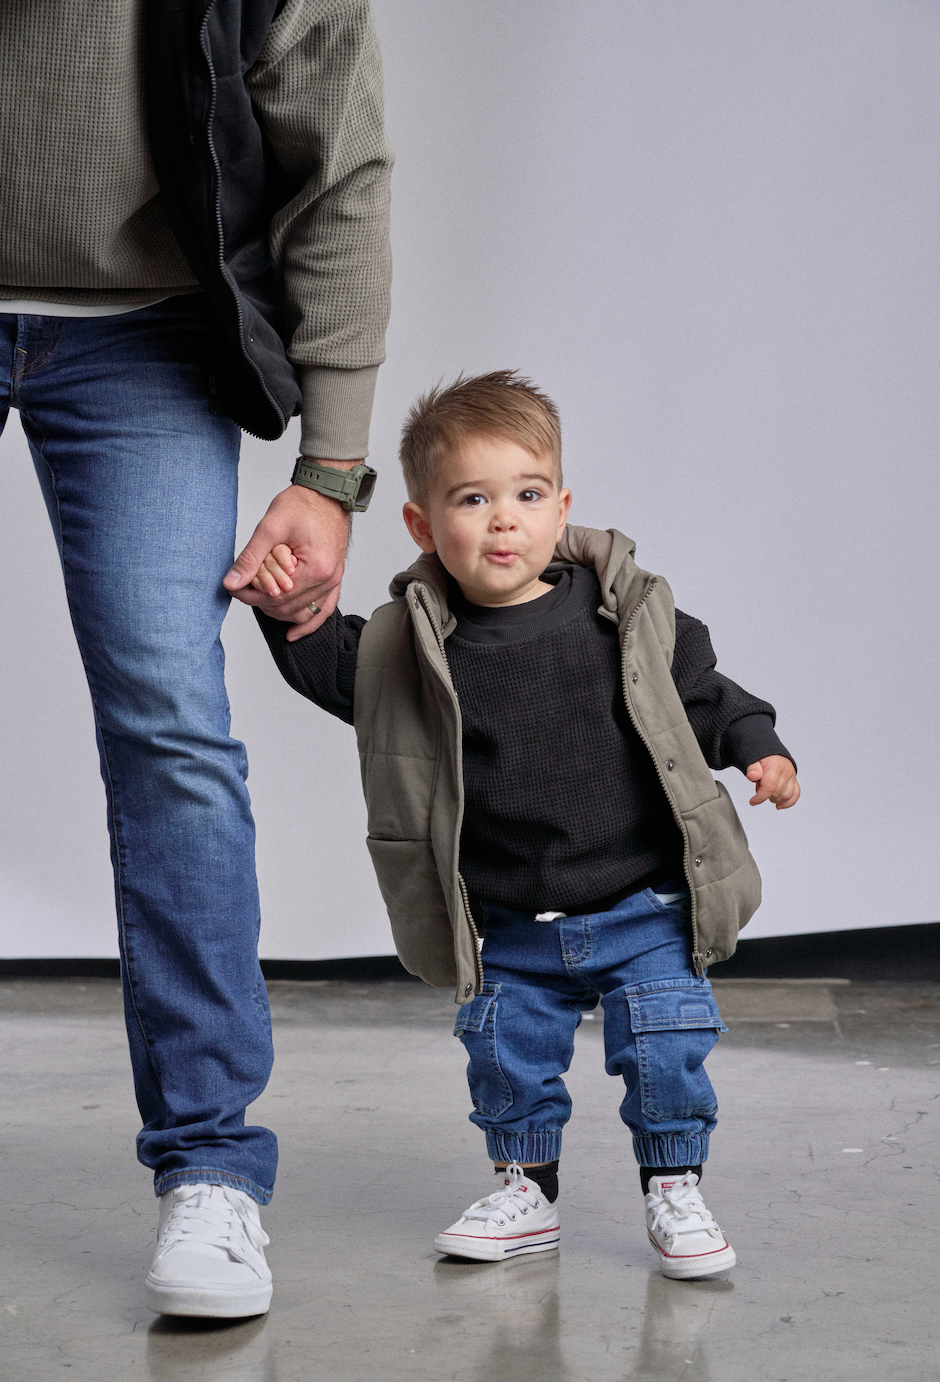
(496,1249)
(209,1302)
(688,1268)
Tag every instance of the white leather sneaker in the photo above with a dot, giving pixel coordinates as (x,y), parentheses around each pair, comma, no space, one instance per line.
(515,1219)
(683,1232)
(210,1255)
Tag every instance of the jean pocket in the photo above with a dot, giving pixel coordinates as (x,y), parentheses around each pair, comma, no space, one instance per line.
(672,897)
(476,1026)
(675,1024)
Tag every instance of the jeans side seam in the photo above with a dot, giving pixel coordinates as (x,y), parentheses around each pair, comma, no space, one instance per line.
(105,759)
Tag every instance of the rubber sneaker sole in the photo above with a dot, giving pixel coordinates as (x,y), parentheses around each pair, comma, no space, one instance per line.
(701,1264)
(216,1302)
(497,1249)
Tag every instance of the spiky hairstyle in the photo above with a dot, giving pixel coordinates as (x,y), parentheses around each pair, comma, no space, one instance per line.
(502,404)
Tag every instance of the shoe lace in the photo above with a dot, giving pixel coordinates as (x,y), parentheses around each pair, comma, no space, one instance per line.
(681,1209)
(221,1221)
(507,1201)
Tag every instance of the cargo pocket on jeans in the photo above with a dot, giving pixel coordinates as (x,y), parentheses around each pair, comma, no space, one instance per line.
(476,1026)
(675,1024)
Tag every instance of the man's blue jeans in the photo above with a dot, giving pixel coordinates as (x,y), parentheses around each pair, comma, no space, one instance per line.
(660,1022)
(140,480)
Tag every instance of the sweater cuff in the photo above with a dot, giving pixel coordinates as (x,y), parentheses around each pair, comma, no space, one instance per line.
(749,739)
(337,409)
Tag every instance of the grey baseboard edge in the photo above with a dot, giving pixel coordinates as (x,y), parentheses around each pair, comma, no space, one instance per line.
(904,954)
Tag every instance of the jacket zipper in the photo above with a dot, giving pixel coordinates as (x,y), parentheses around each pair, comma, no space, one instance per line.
(213,89)
(465,896)
(698,959)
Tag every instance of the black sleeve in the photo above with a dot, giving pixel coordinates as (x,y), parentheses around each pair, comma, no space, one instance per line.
(734,729)
(321,666)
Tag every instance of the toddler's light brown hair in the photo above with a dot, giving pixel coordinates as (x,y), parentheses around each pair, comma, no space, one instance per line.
(502,404)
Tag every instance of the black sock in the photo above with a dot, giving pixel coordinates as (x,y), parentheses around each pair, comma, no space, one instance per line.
(648,1172)
(546,1178)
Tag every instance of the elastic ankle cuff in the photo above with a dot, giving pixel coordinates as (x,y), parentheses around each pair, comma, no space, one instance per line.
(666,1150)
(523,1146)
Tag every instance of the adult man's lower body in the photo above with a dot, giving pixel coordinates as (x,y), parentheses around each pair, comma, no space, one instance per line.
(139,477)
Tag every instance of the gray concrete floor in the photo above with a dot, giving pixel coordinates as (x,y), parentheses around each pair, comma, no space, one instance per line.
(823,1174)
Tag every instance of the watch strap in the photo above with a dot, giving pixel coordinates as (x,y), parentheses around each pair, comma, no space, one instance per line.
(351,488)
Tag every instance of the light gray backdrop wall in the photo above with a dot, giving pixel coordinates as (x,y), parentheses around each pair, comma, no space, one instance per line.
(711,231)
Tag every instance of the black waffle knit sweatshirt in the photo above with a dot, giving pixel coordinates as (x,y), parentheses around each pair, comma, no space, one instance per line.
(562,806)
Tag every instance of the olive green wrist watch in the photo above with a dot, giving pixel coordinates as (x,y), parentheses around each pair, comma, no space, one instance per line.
(351,488)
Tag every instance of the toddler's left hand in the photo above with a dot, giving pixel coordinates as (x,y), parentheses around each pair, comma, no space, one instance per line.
(776,777)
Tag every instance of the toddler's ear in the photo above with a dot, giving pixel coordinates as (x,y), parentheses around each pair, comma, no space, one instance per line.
(564,508)
(418,524)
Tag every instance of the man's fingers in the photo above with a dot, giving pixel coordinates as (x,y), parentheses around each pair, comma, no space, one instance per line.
(311,623)
(246,565)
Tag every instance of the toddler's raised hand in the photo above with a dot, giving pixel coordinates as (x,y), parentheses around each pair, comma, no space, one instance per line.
(274,573)
(775,779)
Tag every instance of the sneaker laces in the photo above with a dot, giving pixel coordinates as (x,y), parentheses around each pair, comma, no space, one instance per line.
(220,1221)
(505,1202)
(681,1209)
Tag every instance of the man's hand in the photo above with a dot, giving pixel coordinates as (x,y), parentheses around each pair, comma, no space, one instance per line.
(777,778)
(316,529)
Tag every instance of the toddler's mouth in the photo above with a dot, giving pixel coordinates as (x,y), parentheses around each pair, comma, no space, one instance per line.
(504,558)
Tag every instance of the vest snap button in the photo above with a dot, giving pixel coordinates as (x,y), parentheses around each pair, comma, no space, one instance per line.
(633,678)
(698,862)
(468,990)
(708,952)
(669,766)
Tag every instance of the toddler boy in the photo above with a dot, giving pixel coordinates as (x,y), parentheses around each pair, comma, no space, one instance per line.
(536,723)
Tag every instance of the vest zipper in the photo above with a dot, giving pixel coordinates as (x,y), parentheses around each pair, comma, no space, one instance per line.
(213,89)
(698,959)
(465,896)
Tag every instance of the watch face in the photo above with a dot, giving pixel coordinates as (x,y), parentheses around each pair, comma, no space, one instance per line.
(366,486)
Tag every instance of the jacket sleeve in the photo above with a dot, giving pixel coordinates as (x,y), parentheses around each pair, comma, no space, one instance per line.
(321,666)
(734,729)
(318,94)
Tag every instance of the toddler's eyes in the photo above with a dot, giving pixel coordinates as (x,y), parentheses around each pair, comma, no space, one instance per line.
(473,500)
(528,495)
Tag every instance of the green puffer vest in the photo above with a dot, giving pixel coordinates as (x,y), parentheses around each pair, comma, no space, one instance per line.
(407,722)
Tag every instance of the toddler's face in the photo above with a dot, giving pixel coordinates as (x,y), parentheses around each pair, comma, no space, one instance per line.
(493,516)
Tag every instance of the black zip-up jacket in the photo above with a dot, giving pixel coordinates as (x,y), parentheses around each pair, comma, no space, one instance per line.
(221,188)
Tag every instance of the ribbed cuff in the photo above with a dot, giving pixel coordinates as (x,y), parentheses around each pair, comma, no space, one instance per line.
(750,739)
(523,1146)
(336,412)
(670,1149)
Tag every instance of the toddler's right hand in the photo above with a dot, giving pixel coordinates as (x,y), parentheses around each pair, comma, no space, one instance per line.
(274,573)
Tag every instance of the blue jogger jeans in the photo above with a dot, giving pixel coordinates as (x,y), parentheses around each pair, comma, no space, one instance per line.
(660,1022)
(140,480)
